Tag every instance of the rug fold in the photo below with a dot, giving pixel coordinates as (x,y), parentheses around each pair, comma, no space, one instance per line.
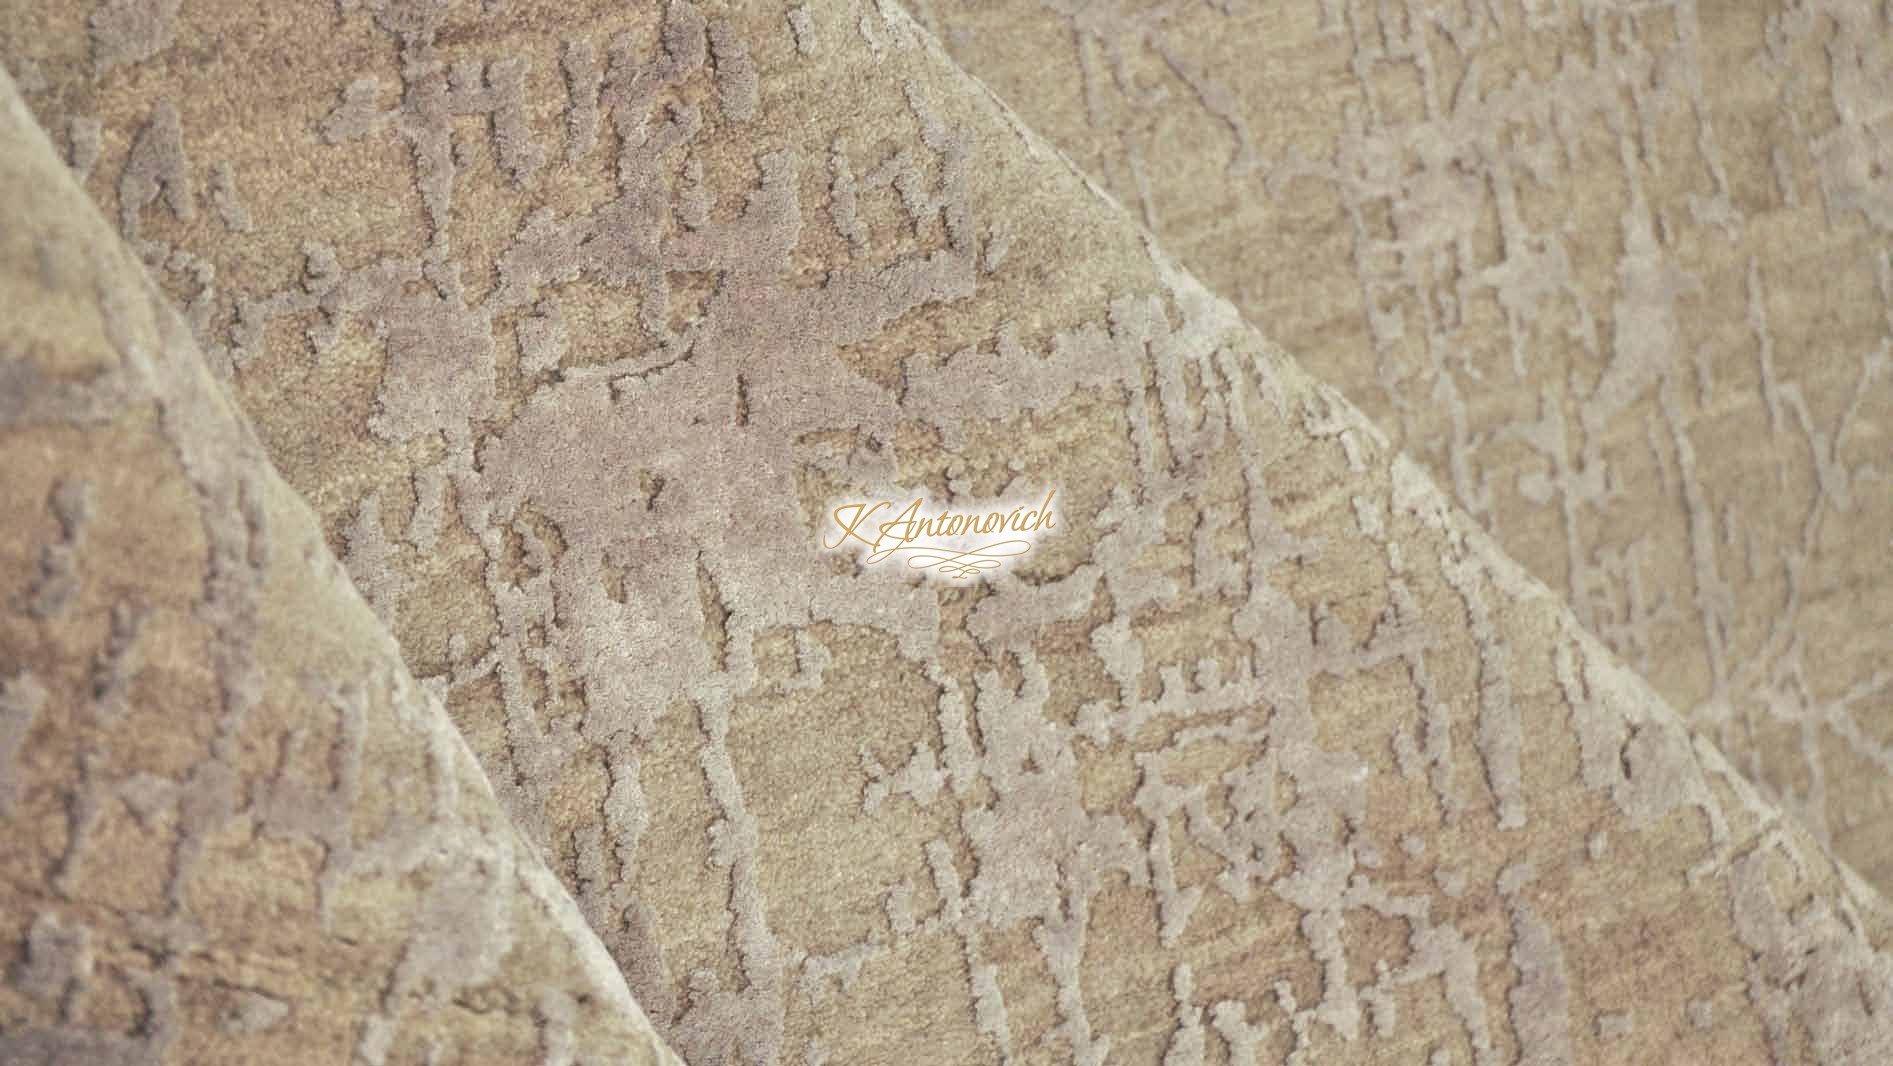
(581,327)
(238,830)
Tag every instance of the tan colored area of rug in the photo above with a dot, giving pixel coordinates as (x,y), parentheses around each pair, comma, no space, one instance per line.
(237,830)
(1619,274)
(571,321)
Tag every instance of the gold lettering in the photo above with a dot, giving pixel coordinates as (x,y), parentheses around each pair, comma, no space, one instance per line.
(908,532)
(1044,513)
(850,526)
(905,522)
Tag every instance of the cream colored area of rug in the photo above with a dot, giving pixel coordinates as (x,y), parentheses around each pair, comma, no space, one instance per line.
(561,327)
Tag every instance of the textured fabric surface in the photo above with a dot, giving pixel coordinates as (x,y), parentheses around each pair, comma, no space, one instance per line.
(570,323)
(237,829)
(1618,274)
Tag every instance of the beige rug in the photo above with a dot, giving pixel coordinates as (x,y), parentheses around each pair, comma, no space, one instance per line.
(587,336)
(1619,274)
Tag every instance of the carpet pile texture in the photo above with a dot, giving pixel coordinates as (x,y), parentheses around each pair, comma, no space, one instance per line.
(1460,633)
